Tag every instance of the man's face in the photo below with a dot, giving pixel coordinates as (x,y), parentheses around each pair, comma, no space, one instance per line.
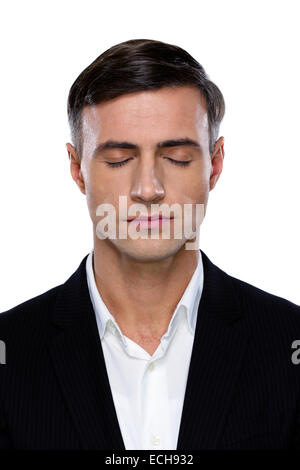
(151,173)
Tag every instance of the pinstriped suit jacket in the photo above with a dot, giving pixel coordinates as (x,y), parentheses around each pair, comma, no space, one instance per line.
(243,389)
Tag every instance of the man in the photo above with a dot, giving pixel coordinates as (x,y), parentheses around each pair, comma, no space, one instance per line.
(149,345)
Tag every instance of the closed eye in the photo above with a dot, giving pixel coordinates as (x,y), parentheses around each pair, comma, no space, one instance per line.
(178,162)
(116,164)
(123,162)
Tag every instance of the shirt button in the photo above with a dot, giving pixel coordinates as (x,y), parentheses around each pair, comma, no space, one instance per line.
(155,440)
(151,366)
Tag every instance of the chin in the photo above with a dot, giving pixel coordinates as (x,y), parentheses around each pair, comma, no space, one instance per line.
(149,250)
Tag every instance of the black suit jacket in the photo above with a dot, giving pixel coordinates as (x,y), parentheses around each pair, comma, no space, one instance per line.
(243,390)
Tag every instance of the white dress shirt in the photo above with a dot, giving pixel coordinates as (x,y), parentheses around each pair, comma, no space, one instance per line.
(148,391)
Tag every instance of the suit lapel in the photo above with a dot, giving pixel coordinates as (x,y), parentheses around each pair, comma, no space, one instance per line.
(218,349)
(78,360)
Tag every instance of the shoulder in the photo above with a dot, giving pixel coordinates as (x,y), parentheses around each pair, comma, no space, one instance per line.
(250,298)
(30,314)
(254,296)
(32,322)
(266,313)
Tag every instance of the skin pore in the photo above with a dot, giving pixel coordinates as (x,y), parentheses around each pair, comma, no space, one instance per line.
(141,281)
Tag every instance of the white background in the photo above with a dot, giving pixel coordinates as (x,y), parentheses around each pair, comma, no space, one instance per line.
(250,49)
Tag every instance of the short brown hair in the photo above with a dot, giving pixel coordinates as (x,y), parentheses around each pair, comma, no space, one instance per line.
(139,65)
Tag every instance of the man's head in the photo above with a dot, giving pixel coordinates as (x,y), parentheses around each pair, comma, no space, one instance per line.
(155,109)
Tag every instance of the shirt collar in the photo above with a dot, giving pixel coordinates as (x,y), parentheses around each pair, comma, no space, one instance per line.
(188,303)
(103,316)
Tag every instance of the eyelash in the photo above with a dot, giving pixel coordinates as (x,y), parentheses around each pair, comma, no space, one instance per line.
(114,165)
(175,162)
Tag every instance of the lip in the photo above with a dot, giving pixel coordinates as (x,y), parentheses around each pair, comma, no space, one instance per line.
(148,222)
(148,218)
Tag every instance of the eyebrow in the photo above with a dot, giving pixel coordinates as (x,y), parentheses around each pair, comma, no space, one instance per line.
(114,144)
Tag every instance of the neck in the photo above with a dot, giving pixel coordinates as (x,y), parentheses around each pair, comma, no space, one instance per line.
(142,295)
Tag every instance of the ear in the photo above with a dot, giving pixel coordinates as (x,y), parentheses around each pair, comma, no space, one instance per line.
(75,167)
(216,162)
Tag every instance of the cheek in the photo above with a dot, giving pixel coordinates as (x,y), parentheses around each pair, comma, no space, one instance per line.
(195,188)
(101,188)
(96,191)
(97,182)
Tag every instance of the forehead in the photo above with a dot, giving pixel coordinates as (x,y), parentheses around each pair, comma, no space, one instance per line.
(148,116)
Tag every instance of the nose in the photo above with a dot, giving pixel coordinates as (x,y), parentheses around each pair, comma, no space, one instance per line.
(147,185)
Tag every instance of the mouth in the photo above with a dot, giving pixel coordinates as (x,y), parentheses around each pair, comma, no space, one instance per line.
(148,221)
